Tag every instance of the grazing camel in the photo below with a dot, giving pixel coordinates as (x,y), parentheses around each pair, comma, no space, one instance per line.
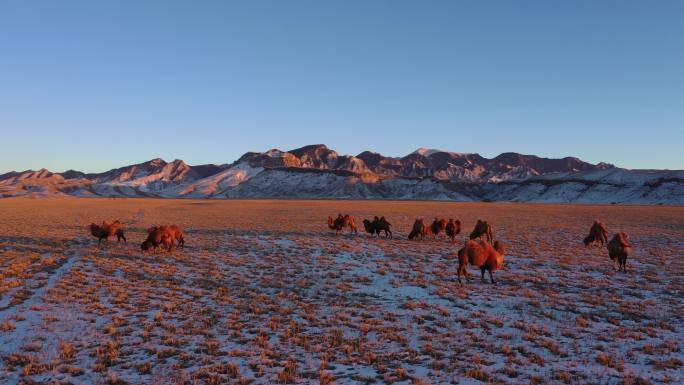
(619,248)
(452,229)
(483,255)
(154,239)
(108,229)
(482,228)
(378,225)
(341,222)
(166,235)
(419,230)
(597,234)
(438,225)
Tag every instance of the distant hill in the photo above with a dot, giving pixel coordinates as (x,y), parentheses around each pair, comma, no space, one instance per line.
(316,171)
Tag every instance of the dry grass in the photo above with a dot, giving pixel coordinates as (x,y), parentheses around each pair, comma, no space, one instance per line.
(264,293)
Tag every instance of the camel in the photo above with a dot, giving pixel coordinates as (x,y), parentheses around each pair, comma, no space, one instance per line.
(341,222)
(176,234)
(427,230)
(483,255)
(482,228)
(108,229)
(452,229)
(166,235)
(369,227)
(619,248)
(438,225)
(155,237)
(419,230)
(378,225)
(597,234)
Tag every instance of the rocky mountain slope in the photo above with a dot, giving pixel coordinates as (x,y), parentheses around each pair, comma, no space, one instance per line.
(315,171)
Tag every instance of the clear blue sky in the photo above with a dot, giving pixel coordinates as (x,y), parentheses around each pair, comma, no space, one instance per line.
(93,85)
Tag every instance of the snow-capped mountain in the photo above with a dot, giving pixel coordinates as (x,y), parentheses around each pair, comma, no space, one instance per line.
(315,171)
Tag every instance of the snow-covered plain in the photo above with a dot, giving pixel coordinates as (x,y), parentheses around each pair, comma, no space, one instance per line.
(265,293)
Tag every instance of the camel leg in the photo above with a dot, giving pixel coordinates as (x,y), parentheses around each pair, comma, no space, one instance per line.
(491,277)
(464,270)
(482,270)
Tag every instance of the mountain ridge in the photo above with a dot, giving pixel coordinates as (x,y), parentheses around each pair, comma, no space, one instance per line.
(316,171)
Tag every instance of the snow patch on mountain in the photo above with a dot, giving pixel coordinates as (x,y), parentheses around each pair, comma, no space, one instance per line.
(216,185)
(426,152)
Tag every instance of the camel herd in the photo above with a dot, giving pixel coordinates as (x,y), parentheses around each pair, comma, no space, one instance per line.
(486,254)
(619,246)
(167,236)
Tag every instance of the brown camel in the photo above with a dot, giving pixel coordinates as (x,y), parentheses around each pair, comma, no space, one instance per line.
(619,248)
(597,234)
(452,229)
(341,222)
(419,230)
(438,225)
(482,228)
(378,225)
(108,229)
(166,235)
(483,255)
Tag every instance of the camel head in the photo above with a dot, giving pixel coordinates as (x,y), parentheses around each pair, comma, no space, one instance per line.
(145,246)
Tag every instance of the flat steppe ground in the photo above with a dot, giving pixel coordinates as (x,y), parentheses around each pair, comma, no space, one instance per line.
(264,293)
